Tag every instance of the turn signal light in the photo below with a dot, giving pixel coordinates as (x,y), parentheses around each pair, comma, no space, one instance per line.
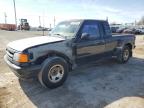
(23,58)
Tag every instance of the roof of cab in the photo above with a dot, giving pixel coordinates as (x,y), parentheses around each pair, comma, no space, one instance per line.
(87,20)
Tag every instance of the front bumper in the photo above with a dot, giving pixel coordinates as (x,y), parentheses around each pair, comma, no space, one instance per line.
(24,72)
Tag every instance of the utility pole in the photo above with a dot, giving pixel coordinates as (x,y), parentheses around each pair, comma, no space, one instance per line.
(135,23)
(107,18)
(54,21)
(43,25)
(39,21)
(15,13)
(50,26)
(5,18)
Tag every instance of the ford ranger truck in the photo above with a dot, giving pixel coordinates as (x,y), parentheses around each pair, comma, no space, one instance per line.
(70,44)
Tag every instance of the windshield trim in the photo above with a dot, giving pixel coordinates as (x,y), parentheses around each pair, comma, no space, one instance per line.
(74,34)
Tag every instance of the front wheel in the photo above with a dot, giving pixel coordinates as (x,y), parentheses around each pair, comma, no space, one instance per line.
(124,55)
(54,72)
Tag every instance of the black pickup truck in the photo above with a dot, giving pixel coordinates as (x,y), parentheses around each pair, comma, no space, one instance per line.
(70,44)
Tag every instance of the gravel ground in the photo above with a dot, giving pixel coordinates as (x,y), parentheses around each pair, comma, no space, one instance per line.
(96,85)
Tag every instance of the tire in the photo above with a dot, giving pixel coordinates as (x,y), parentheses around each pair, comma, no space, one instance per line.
(124,55)
(54,72)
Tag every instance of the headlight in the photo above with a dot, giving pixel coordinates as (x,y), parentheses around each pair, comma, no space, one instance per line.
(22,58)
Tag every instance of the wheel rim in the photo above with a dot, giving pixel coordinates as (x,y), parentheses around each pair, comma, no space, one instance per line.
(56,73)
(126,54)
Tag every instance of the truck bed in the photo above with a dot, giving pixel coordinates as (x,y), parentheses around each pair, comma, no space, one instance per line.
(124,36)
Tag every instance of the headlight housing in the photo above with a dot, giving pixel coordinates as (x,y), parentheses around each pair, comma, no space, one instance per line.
(20,57)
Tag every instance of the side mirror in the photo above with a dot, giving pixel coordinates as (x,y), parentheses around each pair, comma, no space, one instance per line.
(85,36)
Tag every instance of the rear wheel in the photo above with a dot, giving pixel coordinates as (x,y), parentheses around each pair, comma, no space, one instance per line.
(124,55)
(54,72)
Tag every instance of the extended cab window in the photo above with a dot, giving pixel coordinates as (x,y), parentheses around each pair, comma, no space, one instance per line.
(92,30)
(107,29)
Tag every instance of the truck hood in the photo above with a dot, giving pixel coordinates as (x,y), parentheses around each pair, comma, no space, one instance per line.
(23,44)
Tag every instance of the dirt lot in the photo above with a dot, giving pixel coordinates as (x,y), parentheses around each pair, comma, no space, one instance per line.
(98,85)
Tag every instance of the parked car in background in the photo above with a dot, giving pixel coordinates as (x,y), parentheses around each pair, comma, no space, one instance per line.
(43,29)
(114,29)
(141,30)
(120,30)
(132,31)
(136,31)
(129,31)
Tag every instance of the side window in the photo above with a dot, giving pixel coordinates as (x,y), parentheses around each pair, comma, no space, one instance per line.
(92,30)
(107,29)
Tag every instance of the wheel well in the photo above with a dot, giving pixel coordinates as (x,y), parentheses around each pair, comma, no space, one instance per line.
(41,59)
(129,45)
(117,50)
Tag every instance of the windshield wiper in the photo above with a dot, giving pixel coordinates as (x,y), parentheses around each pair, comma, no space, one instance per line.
(60,35)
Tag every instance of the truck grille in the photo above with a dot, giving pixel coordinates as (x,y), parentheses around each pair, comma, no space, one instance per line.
(10,53)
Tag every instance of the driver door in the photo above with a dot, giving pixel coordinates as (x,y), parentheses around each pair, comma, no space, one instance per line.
(93,45)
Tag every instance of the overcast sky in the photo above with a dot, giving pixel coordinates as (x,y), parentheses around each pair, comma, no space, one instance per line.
(121,11)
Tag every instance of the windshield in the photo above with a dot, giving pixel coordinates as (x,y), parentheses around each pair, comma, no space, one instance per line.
(66,29)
